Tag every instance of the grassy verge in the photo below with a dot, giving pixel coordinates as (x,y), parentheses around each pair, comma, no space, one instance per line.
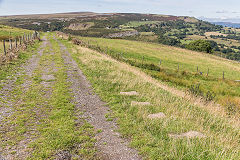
(151,137)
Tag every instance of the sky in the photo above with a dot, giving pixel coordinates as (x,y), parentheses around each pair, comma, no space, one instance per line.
(197,8)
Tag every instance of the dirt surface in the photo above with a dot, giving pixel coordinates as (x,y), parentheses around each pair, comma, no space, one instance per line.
(109,143)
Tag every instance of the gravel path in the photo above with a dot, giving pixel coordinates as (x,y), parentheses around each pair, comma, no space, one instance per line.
(6,108)
(8,85)
(109,143)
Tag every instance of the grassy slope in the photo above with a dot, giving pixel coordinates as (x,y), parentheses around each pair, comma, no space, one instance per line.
(226,91)
(150,137)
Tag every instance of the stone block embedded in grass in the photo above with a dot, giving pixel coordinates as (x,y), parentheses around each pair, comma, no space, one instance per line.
(134,103)
(190,134)
(131,93)
(156,116)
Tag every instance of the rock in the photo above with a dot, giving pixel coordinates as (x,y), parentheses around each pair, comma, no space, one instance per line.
(134,103)
(190,134)
(123,34)
(156,116)
(132,93)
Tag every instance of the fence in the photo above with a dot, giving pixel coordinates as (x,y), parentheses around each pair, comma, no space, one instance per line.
(142,62)
(120,57)
(11,47)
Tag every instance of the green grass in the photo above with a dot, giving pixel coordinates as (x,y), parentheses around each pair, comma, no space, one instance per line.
(148,55)
(12,31)
(150,137)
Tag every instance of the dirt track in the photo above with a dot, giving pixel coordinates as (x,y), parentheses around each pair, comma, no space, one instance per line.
(109,143)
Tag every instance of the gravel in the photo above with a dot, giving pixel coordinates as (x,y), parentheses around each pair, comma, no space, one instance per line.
(109,143)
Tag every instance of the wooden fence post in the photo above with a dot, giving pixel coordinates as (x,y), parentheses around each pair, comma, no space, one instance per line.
(16,43)
(207,71)
(10,44)
(4,47)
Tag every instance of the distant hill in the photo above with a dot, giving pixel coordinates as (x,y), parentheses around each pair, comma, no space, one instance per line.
(180,31)
(227,24)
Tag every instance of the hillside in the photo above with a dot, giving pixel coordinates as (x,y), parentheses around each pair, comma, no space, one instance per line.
(90,102)
(208,76)
(166,29)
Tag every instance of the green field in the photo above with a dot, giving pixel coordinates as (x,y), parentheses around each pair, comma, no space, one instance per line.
(193,67)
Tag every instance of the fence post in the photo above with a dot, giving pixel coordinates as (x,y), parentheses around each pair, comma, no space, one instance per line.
(223,75)
(10,44)
(4,47)
(142,60)
(16,43)
(207,71)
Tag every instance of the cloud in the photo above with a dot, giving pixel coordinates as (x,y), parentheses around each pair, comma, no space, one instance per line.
(223,11)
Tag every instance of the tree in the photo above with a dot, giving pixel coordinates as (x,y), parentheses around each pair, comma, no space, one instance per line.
(200,45)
